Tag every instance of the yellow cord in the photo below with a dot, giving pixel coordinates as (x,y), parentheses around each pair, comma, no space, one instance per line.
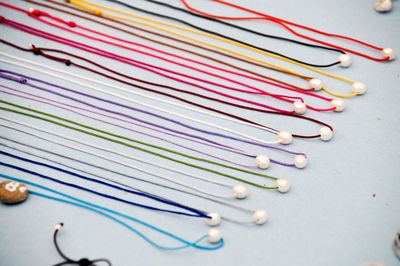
(100,12)
(340,95)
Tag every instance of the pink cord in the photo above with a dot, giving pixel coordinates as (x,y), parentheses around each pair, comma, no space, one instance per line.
(73,24)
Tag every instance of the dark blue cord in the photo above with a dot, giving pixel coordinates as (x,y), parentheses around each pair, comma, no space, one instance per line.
(103,211)
(197,212)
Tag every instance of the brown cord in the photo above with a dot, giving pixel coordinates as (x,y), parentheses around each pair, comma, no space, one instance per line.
(68,62)
(173,46)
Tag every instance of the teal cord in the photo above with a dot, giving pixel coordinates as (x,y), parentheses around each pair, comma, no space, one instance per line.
(98,208)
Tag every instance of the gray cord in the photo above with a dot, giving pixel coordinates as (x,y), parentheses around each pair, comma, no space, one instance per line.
(115,172)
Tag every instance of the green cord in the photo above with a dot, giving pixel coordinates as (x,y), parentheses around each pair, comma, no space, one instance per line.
(135,147)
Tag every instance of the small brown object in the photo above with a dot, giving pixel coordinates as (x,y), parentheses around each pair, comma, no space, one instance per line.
(12,192)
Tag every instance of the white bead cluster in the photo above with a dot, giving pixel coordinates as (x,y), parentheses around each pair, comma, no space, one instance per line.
(389,52)
(338,104)
(345,60)
(263,161)
(285,137)
(299,107)
(240,191)
(358,87)
(214,220)
(326,133)
(214,235)
(300,161)
(283,185)
(260,217)
(315,84)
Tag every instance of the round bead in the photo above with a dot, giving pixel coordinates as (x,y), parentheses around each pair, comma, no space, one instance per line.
(300,161)
(389,52)
(299,107)
(345,60)
(338,104)
(240,191)
(214,235)
(285,137)
(12,192)
(359,87)
(214,220)
(326,133)
(260,217)
(315,84)
(283,185)
(263,161)
(58,226)
(383,5)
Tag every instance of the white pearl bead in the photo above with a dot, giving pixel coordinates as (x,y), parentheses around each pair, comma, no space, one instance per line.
(389,52)
(315,84)
(326,133)
(359,87)
(345,60)
(260,217)
(338,104)
(283,185)
(285,137)
(214,220)
(214,235)
(300,161)
(299,107)
(240,191)
(383,5)
(263,161)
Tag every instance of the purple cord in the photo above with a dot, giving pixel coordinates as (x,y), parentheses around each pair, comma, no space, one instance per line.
(24,81)
(60,104)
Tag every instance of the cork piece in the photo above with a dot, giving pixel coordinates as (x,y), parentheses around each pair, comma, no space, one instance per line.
(12,192)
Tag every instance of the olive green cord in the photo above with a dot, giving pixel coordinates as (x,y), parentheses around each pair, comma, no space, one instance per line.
(137,141)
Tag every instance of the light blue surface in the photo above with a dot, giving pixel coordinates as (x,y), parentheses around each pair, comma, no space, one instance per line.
(343,209)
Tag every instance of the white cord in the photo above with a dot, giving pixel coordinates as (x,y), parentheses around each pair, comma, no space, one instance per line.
(132,100)
(119,162)
(120,183)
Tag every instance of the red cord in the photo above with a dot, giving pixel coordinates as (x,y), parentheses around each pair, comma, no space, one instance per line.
(283,24)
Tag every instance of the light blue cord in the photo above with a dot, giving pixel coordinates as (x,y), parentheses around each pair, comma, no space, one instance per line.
(94,206)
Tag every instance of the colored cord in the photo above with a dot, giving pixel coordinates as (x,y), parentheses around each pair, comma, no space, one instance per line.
(74,108)
(255,141)
(231,25)
(68,62)
(222,202)
(209,18)
(196,213)
(23,80)
(81,262)
(135,147)
(148,67)
(104,211)
(283,24)
(38,13)
(88,5)
(191,52)
(200,213)
(225,147)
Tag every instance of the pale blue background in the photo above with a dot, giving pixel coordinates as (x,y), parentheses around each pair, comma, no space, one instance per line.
(330,216)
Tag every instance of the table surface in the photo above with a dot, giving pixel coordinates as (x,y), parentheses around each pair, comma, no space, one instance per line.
(343,208)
